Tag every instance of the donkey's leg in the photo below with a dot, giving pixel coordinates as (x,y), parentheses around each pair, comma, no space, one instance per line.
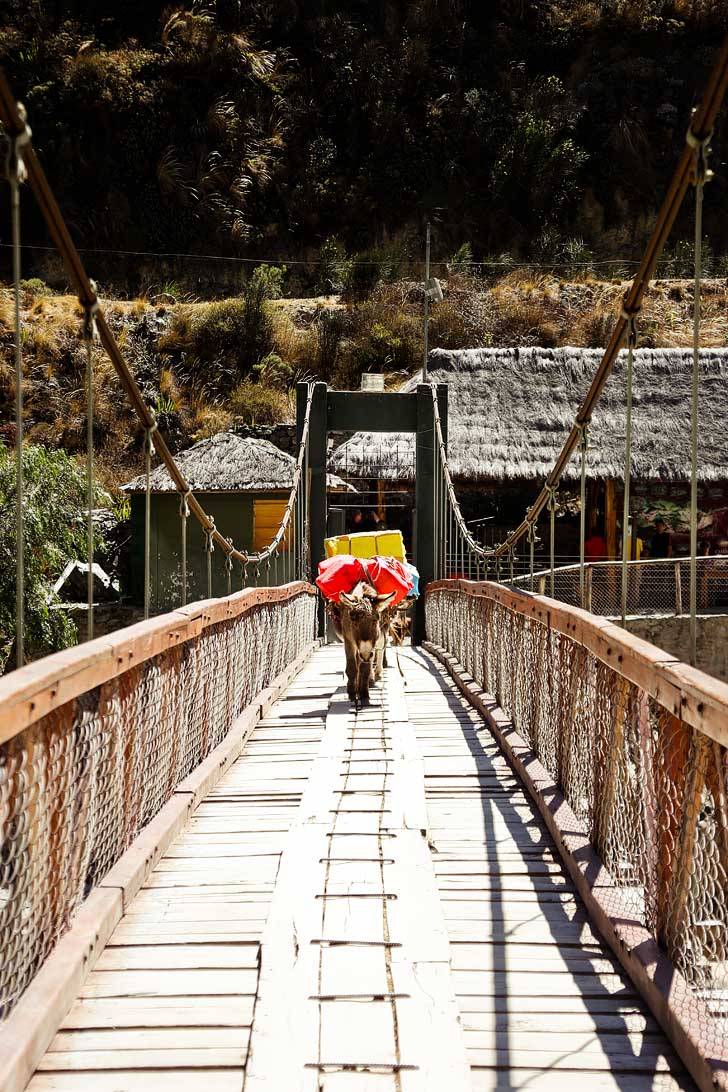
(351,673)
(365,674)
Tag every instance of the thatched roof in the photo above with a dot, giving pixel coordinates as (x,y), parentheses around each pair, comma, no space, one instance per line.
(228,463)
(510,411)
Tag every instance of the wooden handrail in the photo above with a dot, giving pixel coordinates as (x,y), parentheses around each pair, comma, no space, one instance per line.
(693,696)
(33,691)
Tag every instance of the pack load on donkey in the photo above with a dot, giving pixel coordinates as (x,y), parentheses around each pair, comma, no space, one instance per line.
(363,590)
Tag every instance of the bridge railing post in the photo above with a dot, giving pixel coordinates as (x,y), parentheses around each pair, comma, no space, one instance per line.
(678,590)
(587,604)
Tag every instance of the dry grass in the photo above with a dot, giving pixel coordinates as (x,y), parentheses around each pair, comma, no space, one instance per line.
(382,333)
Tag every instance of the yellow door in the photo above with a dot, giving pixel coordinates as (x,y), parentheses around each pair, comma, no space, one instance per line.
(267,518)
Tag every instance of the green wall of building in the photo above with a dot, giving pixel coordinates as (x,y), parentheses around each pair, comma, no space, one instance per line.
(233,515)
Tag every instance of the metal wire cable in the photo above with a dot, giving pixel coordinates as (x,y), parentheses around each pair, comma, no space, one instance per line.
(631,345)
(12,115)
(148,449)
(89,334)
(584,445)
(698,135)
(184,514)
(17,174)
(701,175)
(209,550)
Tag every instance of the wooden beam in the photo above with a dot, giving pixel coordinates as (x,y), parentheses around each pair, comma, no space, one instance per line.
(354,411)
(610,518)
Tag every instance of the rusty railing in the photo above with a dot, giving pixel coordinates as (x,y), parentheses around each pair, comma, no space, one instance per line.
(95,740)
(637,742)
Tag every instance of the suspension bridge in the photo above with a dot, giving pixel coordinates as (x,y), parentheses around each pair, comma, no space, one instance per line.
(508,871)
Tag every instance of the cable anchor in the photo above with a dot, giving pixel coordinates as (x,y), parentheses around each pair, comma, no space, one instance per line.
(582,428)
(89,330)
(17,172)
(149,431)
(701,149)
(630,314)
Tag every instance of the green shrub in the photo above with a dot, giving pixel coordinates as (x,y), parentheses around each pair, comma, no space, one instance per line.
(217,344)
(385,349)
(462,259)
(36,287)
(370,267)
(273,372)
(333,268)
(54,533)
(679,261)
(255,404)
(329,330)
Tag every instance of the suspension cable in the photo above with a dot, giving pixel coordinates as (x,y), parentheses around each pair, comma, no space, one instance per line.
(148,451)
(584,446)
(552,535)
(18,146)
(700,147)
(631,318)
(89,334)
(184,514)
(229,569)
(209,550)
(698,136)
(13,117)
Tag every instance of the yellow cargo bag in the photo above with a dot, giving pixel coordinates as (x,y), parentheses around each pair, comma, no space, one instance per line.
(368,544)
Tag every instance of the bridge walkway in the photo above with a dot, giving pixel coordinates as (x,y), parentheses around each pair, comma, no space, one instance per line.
(366,903)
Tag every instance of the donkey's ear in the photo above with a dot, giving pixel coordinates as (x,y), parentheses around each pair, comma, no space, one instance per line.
(348,600)
(382,602)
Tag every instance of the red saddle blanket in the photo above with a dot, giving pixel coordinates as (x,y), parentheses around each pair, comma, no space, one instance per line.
(343,572)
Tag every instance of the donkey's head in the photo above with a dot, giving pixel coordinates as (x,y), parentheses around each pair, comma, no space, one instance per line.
(361,617)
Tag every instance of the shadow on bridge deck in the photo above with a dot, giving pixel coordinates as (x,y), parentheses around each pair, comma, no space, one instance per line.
(183,985)
(543,1004)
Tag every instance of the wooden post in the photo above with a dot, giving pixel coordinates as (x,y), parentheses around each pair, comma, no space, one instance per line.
(587,604)
(425,531)
(317,475)
(678,590)
(610,519)
(610,535)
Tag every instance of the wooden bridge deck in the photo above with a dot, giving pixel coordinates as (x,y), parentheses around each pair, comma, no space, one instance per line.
(303,932)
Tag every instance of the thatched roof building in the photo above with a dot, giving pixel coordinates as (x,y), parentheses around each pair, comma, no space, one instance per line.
(510,411)
(228,463)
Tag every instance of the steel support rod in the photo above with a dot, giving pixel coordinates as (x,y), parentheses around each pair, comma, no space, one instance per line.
(631,343)
(700,176)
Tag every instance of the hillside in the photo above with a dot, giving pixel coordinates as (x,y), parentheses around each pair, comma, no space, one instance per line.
(541,130)
(205,367)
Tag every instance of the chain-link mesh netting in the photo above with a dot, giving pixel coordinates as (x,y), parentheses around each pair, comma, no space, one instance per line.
(650,789)
(655,586)
(77,787)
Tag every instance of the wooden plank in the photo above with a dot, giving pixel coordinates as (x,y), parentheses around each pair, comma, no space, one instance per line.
(148,1038)
(556,1059)
(29,1028)
(118,1060)
(186,983)
(679,1010)
(173,1080)
(160,1012)
(174,957)
(488,1080)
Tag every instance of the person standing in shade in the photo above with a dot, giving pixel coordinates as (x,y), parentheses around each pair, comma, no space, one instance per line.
(661,542)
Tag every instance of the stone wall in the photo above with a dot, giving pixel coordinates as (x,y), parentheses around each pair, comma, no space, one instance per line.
(673,634)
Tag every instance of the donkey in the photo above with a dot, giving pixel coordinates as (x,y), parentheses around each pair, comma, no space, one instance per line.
(357,620)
